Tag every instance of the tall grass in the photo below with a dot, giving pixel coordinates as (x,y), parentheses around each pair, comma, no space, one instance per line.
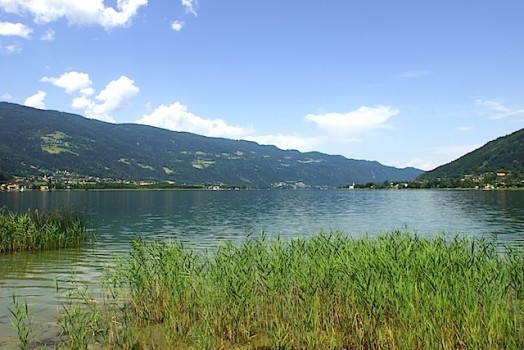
(21,323)
(37,230)
(395,291)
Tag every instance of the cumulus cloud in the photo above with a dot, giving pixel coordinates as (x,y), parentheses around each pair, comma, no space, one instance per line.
(354,122)
(36,100)
(83,102)
(289,141)
(176,117)
(418,163)
(85,12)
(87,91)
(114,96)
(70,81)
(497,110)
(7,96)
(190,6)
(177,26)
(15,29)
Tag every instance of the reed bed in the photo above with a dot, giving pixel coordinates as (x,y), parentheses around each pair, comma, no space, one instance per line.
(329,291)
(37,230)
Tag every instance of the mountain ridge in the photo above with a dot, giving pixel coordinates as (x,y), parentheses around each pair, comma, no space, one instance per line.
(504,154)
(42,141)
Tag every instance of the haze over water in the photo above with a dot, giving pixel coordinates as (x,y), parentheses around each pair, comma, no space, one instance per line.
(202,219)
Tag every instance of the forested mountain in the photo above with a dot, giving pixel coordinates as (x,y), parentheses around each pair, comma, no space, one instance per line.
(36,142)
(503,155)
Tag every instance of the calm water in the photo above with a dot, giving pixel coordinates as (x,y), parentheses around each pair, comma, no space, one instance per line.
(204,218)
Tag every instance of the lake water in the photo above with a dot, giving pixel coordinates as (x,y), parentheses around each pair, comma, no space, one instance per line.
(204,218)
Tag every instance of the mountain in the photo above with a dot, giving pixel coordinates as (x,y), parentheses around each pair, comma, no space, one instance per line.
(38,142)
(505,154)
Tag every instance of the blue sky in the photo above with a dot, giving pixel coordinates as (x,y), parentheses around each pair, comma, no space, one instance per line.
(406,83)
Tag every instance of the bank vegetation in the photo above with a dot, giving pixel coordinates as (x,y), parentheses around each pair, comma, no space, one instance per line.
(40,230)
(330,291)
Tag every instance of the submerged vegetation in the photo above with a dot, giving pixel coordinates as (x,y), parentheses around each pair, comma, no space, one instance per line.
(41,230)
(330,291)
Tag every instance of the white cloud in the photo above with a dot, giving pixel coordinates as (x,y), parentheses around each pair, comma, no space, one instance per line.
(87,91)
(497,110)
(83,102)
(70,81)
(418,163)
(84,12)
(177,26)
(190,6)
(36,101)
(464,128)
(115,95)
(290,141)
(49,35)
(7,96)
(11,49)
(354,122)
(15,29)
(176,117)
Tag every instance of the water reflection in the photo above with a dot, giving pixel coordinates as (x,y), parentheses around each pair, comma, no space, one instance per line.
(202,219)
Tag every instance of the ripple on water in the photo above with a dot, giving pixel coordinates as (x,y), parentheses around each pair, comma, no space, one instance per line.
(202,219)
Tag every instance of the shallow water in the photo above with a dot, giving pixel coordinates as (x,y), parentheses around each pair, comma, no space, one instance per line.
(202,219)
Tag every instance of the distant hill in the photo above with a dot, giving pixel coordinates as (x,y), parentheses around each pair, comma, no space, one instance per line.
(36,142)
(505,154)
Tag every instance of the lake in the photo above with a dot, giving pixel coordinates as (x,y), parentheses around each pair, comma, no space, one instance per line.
(202,219)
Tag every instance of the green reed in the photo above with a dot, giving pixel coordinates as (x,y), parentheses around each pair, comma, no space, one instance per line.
(21,323)
(330,291)
(37,230)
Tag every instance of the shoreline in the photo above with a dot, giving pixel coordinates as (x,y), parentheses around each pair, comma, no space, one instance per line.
(316,291)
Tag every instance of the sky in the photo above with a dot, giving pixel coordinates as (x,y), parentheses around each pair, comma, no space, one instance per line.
(406,82)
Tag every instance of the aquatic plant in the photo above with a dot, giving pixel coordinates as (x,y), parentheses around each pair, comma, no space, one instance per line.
(21,323)
(329,291)
(37,230)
